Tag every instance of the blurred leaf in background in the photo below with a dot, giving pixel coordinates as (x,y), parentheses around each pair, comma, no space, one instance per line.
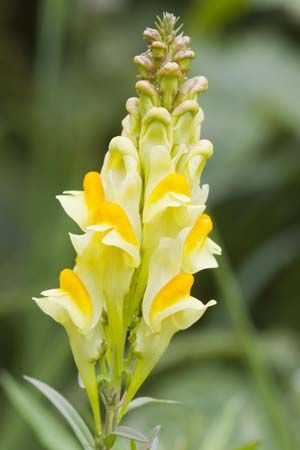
(66,74)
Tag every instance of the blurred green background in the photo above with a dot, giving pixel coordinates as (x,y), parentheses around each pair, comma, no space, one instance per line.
(66,72)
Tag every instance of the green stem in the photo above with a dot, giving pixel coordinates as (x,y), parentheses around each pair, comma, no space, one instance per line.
(116,336)
(269,394)
(109,421)
(110,424)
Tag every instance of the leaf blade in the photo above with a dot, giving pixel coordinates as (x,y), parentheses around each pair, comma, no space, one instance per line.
(75,421)
(131,434)
(49,431)
(142,401)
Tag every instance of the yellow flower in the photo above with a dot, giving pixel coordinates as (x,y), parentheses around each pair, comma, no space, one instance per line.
(199,249)
(72,306)
(109,202)
(107,210)
(167,301)
(167,304)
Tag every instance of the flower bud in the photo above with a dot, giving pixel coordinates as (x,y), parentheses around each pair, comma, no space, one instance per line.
(183,58)
(145,65)
(156,130)
(181,42)
(169,76)
(131,123)
(190,89)
(148,96)
(132,106)
(183,120)
(158,49)
(151,35)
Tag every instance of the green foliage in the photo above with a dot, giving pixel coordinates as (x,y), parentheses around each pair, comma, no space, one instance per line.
(133,445)
(61,106)
(142,401)
(131,434)
(70,414)
(48,429)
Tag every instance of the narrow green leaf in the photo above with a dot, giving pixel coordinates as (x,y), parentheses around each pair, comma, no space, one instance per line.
(142,401)
(250,446)
(67,410)
(49,431)
(110,440)
(130,433)
(133,445)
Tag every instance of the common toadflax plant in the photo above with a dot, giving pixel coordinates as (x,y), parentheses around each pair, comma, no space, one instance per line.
(143,234)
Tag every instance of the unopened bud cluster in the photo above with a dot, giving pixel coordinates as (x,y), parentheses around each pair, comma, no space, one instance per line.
(166,61)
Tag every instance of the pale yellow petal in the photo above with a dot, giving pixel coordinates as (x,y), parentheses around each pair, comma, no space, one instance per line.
(164,265)
(74,205)
(112,215)
(70,302)
(113,238)
(171,192)
(191,312)
(122,180)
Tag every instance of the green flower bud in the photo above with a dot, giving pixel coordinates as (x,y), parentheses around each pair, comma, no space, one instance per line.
(156,129)
(145,65)
(183,122)
(158,49)
(148,96)
(169,77)
(183,58)
(131,123)
(190,89)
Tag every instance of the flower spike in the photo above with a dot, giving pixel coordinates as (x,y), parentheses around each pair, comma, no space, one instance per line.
(144,233)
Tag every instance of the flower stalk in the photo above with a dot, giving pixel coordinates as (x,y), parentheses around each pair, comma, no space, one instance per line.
(144,233)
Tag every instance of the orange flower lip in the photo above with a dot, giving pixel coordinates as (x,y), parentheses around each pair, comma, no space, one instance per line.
(93,190)
(113,214)
(103,212)
(175,183)
(176,289)
(73,286)
(198,233)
